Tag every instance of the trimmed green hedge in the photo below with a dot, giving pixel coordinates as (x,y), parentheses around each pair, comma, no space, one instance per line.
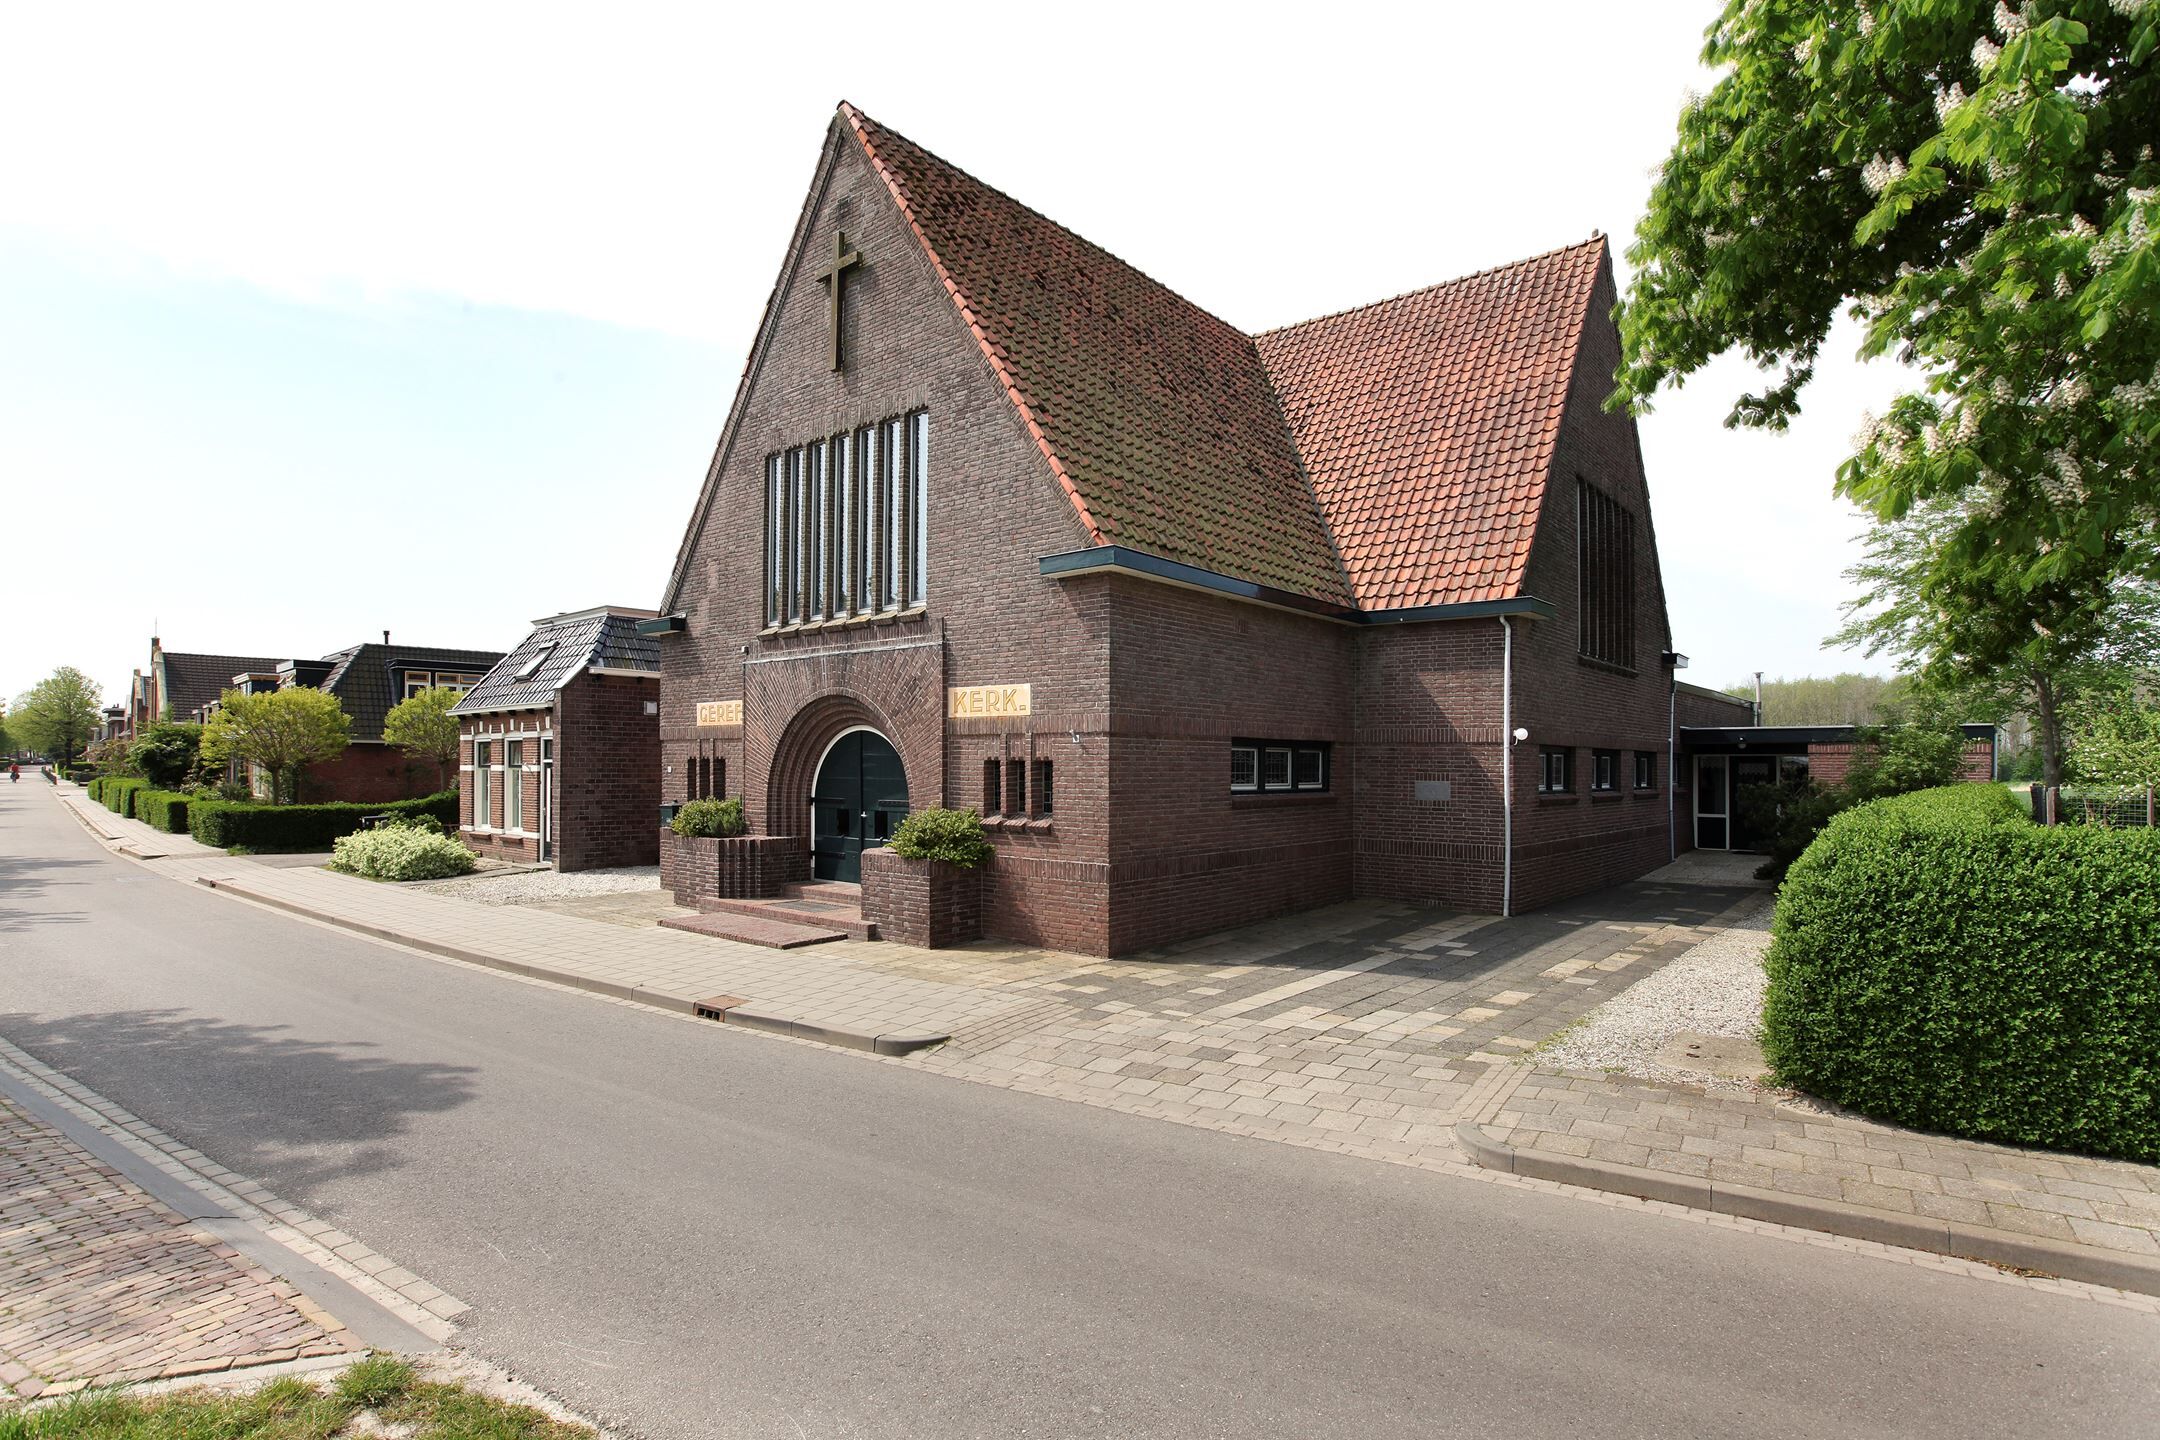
(227,823)
(117,792)
(1940,961)
(165,810)
(954,836)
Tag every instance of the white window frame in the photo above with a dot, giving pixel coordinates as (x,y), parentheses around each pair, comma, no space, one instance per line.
(1252,785)
(514,786)
(483,778)
(1319,758)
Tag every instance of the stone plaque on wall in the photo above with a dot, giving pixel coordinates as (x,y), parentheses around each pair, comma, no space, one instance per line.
(719,712)
(972,702)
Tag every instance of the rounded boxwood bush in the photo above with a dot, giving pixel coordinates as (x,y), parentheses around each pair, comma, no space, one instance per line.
(709,818)
(400,852)
(1939,961)
(954,836)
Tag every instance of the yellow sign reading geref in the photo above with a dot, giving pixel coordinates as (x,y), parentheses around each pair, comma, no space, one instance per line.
(973,702)
(719,712)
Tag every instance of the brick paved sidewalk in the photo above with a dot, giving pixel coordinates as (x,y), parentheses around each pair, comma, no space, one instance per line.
(2093,1219)
(100,1283)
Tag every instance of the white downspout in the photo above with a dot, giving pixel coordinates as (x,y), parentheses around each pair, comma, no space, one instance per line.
(1672,767)
(1507,767)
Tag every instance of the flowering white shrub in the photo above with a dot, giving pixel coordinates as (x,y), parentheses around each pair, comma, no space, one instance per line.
(400,853)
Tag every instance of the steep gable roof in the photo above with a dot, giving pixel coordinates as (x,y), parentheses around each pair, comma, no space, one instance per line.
(1427,423)
(1157,417)
(193,681)
(557,652)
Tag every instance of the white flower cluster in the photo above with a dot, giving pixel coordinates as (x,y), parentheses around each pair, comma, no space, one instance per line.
(1985,52)
(2138,393)
(2066,486)
(1968,423)
(1947,101)
(2070,394)
(2079,229)
(1931,439)
(2132,8)
(1805,50)
(2009,23)
(2062,285)
(2135,233)
(1879,174)
(1871,429)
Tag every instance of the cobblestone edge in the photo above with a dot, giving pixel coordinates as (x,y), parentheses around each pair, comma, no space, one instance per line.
(1806,1212)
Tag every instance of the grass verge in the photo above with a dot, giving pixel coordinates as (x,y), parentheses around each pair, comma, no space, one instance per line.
(385,1389)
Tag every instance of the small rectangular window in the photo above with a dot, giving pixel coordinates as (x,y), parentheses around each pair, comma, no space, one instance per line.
(1555,767)
(1016,787)
(1605,770)
(1309,770)
(992,772)
(1275,769)
(532,667)
(1244,768)
(1042,787)
(1645,770)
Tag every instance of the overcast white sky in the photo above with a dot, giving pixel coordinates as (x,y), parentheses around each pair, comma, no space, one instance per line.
(316,322)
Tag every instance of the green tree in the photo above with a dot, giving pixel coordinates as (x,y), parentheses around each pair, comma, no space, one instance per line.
(2048,649)
(1976,182)
(165,753)
(422,726)
(283,731)
(1848,698)
(59,714)
(2120,744)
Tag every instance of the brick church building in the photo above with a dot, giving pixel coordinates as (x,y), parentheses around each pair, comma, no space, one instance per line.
(1208,625)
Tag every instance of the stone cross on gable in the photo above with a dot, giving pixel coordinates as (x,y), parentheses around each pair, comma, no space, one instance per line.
(843,260)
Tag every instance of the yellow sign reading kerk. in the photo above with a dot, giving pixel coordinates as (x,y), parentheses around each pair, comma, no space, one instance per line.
(970,702)
(719,712)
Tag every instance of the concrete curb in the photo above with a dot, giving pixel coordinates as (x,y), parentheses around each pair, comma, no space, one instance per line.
(733,1011)
(1806,1212)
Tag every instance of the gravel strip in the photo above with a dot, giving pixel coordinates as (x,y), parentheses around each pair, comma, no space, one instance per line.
(1714,989)
(544,885)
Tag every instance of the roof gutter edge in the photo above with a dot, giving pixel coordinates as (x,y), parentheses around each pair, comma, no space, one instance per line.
(1140,563)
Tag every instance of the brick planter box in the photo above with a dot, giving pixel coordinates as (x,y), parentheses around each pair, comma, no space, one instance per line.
(921,902)
(741,867)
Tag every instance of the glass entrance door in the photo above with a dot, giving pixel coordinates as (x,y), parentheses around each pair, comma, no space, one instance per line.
(1712,804)
(860,796)
(1748,771)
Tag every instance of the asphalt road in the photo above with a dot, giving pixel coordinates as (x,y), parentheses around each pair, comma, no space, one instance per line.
(695,1232)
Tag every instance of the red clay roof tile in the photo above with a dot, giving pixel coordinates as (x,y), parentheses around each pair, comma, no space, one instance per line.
(1388,456)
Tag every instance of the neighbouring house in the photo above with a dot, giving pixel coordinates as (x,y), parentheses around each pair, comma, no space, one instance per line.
(1723,760)
(1209,625)
(368,679)
(559,745)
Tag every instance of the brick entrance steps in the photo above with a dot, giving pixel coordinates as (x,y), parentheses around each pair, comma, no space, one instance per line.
(807,914)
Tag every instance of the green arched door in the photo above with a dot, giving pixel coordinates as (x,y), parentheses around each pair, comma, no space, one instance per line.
(860,795)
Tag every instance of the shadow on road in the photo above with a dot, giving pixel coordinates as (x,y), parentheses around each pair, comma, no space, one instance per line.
(265,1102)
(24,879)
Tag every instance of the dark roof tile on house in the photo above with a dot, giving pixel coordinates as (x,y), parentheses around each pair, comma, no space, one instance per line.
(193,681)
(1427,424)
(366,680)
(557,652)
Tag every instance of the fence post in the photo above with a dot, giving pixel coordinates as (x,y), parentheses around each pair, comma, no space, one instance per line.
(2054,805)
(2039,803)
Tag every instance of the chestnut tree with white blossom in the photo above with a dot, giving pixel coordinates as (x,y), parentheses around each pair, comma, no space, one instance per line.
(1976,183)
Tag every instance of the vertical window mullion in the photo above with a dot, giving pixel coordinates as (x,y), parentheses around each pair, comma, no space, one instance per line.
(919,505)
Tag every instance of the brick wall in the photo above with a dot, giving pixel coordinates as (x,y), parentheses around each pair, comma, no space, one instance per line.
(1831,764)
(530,727)
(367,773)
(607,773)
(921,902)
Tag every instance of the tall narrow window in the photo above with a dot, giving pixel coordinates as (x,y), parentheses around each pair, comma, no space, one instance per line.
(1016,787)
(483,803)
(890,511)
(1604,577)
(814,529)
(775,553)
(992,804)
(843,468)
(873,489)
(799,535)
(513,785)
(1042,787)
(918,503)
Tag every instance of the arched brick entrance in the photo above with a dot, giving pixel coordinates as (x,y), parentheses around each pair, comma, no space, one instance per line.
(803,744)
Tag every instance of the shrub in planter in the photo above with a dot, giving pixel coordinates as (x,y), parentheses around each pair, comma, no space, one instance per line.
(954,836)
(162,810)
(720,818)
(400,852)
(226,823)
(1937,960)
